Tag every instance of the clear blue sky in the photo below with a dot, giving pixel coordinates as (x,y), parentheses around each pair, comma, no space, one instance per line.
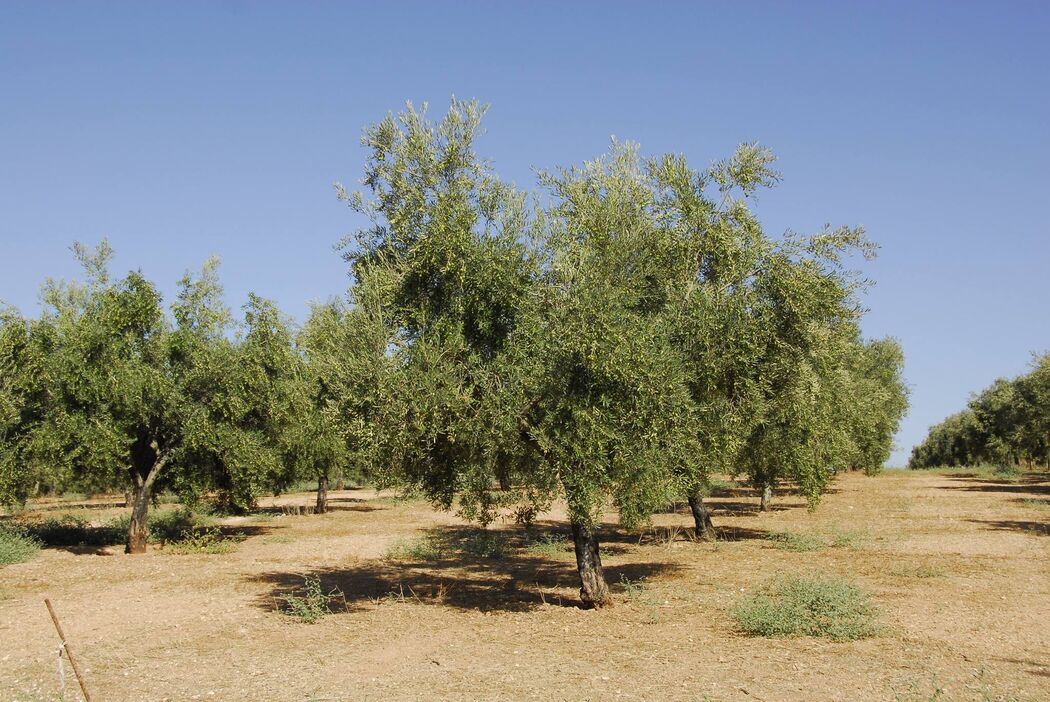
(179,130)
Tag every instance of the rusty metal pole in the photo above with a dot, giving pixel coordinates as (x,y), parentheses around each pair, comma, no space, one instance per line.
(69,651)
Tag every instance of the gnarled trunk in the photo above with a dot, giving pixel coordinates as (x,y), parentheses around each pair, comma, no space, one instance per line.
(594,592)
(322,495)
(705,530)
(138,530)
(767,497)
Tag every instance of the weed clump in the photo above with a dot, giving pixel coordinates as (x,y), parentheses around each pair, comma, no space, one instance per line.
(823,607)
(16,545)
(848,538)
(428,548)
(547,546)
(313,604)
(792,541)
(199,542)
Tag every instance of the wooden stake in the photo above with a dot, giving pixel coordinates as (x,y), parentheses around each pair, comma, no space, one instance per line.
(69,651)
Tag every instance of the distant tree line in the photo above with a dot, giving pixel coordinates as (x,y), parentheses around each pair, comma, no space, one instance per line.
(1006,424)
(614,340)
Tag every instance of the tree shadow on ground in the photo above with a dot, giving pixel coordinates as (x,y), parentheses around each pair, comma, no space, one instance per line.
(1038,484)
(1040,668)
(1024,527)
(733,509)
(1031,502)
(466,568)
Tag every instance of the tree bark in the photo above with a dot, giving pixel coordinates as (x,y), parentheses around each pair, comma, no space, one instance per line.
(138,532)
(504,481)
(705,530)
(767,497)
(594,592)
(322,495)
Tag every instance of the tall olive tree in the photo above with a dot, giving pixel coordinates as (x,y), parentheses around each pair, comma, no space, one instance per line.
(807,301)
(605,400)
(123,397)
(113,415)
(22,399)
(443,269)
(339,395)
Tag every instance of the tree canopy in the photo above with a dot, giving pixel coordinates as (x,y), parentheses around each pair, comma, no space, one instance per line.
(612,341)
(1006,424)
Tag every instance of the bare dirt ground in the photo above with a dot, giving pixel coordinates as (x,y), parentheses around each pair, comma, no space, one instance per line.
(957,565)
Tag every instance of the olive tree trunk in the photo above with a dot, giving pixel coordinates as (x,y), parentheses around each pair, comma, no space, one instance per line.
(138,529)
(705,530)
(594,592)
(767,497)
(322,495)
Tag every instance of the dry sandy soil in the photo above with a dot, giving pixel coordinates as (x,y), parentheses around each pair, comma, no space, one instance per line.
(957,565)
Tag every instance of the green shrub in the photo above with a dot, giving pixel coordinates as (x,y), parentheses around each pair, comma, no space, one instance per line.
(848,538)
(203,541)
(547,546)
(791,541)
(313,604)
(818,606)
(485,544)
(16,544)
(428,548)
(632,588)
(172,525)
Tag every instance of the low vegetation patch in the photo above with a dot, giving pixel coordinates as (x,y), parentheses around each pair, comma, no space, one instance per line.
(16,545)
(199,542)
(313,604)
(485,544)
(427,548)
(547,546)
(824,607)
(849,538)
(73,530)
(793,541)
(916,570)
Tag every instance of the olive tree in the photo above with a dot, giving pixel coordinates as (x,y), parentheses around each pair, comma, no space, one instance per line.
(339,395)
(124,397)
(113,414)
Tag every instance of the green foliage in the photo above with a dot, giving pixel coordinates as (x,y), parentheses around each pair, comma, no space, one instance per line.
(485,544)
(173,525)
(16,544)
(823,607)
(548,546)
(205,541)
(105,392)
(313,604)
(632,588)
(848,538)
(792,541)
(1007,425)
(427,548)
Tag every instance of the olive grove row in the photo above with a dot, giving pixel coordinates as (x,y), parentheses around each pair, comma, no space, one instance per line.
(614,340)
(1006,424)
